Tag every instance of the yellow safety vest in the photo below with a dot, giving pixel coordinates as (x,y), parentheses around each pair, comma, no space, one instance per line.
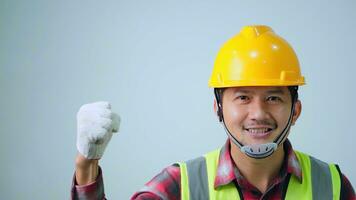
(319,181)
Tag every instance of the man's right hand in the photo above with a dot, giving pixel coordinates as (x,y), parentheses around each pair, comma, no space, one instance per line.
(95,126)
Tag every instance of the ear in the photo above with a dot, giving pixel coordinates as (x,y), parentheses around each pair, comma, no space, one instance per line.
(217,111)
(297,111)
(215,107)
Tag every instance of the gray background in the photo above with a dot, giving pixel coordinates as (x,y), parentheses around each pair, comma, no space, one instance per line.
(152,61)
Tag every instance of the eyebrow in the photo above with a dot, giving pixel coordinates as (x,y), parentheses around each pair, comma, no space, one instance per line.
(276,91)
(273,91)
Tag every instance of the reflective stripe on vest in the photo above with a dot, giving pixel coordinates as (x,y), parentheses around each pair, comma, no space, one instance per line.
(320,180)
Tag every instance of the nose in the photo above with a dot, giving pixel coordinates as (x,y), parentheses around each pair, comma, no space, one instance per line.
(258,111)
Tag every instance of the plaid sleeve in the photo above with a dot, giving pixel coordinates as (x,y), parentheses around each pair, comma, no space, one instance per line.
(165,185)
(347,191)
(92,191)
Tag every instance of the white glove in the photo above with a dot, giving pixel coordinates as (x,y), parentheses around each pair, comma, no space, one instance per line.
(95,126)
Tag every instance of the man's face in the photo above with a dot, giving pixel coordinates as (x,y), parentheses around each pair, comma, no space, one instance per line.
(257,115)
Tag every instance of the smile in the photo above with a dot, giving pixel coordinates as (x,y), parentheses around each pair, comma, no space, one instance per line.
(259,132)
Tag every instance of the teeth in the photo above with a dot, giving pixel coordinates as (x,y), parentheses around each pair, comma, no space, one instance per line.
(257,130)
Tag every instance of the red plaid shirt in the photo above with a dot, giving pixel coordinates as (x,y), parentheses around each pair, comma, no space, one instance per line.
(166,185)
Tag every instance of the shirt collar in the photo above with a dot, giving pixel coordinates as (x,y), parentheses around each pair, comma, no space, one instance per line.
(228,172)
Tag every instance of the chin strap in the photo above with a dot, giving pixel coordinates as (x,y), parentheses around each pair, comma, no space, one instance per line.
(257,151)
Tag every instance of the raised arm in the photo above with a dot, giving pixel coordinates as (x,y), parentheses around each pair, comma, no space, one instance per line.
(95,125)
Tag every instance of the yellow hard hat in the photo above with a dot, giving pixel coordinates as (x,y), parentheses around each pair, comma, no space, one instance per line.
(256,57)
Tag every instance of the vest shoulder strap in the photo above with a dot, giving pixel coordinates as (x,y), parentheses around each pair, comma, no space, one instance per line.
(320,180)
(198,177)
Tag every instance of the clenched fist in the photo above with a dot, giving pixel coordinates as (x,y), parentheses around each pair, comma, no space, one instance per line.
(95,125)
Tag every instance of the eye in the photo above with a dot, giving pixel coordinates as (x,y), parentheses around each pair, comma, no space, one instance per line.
(243,98)
(274,99)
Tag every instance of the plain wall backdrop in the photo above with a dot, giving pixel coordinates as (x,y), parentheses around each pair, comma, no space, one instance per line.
(152,61)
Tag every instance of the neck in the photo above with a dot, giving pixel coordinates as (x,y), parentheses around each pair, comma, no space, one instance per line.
(259,172)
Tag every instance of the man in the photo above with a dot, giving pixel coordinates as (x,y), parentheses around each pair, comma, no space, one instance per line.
(255,79)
